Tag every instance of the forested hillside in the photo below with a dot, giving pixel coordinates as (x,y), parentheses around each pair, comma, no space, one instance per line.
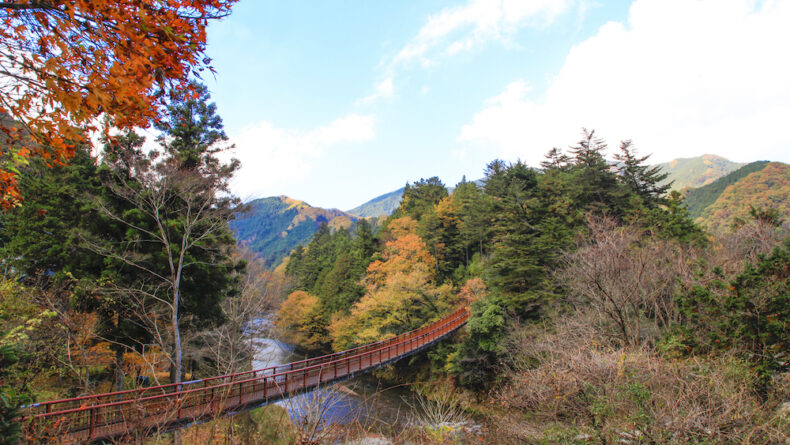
(766,188)
(599,307)
(698,199)
(698,171)
(683,173)
(379,206)
(273,227)
(595,298)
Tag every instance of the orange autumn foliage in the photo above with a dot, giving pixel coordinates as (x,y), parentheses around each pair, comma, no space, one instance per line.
(473,290)
(401,292)
(402,254)
(64,63)
(86,348)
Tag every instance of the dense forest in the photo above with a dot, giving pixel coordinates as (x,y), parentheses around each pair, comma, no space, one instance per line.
(600,310)
(272,227)
(121,269)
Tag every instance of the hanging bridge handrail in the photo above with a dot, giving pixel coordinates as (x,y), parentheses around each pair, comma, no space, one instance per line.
(93,399)
(258,374)
(448,323)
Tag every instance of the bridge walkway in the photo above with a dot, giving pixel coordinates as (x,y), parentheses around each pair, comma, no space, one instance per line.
(167,407)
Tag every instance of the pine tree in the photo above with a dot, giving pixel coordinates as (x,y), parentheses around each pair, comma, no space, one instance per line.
(421,197)
(555,160)
(594,185)
(177,236)
(192,132)
(644,180)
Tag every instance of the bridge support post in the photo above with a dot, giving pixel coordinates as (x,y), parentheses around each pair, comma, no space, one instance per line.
(213,402)
(92,424)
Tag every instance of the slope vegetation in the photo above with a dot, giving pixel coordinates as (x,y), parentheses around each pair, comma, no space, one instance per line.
(698,171)
(274,226)
(378,206)
(697,200)
(768,187)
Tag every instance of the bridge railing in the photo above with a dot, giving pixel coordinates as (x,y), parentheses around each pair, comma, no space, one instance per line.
(138,393)
(115,417)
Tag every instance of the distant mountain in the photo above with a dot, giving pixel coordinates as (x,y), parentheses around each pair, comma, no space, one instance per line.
(685,172)
(388,202)
(274,226)
(699,171)
(764,187)
(378,206)
(699,199)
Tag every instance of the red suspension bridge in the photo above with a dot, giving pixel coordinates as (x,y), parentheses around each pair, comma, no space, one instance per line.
(166,407)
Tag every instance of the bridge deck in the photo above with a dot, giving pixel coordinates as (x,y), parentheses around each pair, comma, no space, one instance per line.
(84,419)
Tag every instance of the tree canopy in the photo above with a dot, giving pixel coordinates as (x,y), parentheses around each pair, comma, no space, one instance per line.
(64,63)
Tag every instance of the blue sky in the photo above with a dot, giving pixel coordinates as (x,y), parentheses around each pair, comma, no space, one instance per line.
(336,102)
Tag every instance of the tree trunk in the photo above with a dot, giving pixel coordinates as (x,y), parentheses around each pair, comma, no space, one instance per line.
(176,341)
(178,354)
(119,369)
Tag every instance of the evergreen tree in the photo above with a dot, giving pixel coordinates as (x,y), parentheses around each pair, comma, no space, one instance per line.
(46,241)
(474,210)
(749,315)
(594,185)
(41,234)
(644,180)
(364,245)
(341,286)
(439,229)
(672,221)
(317,257)
(295,267)
(556,160)
(421,197)
(481,352)
(192,132)
(516,267)
(177,234)
(10,399)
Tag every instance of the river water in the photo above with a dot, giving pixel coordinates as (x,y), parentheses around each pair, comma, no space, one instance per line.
(361,400)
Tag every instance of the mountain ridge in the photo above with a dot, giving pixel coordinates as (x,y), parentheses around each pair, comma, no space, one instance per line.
(276,225)
(271,227)
(697,171)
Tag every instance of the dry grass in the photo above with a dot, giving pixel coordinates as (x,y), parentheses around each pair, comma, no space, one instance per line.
(568,387)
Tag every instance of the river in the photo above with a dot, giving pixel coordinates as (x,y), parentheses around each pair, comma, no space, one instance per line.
(360,400)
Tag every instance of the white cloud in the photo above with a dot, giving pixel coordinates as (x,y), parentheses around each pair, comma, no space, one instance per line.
(272,156)
(383,89)
(465,27)
(682,78)
(462,28)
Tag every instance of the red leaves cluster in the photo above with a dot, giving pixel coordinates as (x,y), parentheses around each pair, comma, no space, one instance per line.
(64,63)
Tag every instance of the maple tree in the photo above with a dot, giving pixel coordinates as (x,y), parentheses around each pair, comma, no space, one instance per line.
(64,63)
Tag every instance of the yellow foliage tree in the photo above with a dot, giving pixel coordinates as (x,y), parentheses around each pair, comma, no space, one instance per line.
(401,292)
(300,321)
